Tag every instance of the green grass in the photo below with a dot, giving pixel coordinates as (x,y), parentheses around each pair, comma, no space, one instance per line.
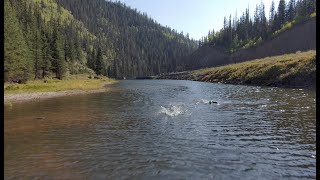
(297,69)
(73,82)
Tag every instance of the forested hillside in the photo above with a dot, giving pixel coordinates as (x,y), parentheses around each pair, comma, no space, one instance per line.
(48,38)
(290,41)
(290,28)
(240,33)
(55,38)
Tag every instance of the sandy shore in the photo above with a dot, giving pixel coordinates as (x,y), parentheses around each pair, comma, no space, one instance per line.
(35,96)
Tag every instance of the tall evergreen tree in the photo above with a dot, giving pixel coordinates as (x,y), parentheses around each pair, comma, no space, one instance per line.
(92,60)
(46,56)
(57,53)
(272,13)
(281,12)
(99,63)
(17,61)
(36,40)
(263,22)
(290,10)
(310,6)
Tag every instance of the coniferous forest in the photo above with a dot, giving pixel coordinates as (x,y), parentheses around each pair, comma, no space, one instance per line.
(55,38)
(248,31)
(48,38)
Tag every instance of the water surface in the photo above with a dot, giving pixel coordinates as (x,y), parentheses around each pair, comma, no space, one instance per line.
(164,129)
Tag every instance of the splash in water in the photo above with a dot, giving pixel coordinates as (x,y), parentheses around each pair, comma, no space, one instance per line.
(202,101)
(173,110)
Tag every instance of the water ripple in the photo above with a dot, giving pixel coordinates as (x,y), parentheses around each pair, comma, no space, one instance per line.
(167,130)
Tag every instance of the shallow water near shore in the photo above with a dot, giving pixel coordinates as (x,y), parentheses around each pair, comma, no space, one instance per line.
(164,129)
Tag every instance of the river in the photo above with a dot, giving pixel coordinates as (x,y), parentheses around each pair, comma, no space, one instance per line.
(162,129)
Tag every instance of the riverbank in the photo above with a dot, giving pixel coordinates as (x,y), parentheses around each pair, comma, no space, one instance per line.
(289,70)
(51,88)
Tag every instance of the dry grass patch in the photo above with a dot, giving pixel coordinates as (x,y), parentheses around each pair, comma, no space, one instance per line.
(288,69)
(74,82)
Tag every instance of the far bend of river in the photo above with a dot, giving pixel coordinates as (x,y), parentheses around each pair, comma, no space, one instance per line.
(164,129)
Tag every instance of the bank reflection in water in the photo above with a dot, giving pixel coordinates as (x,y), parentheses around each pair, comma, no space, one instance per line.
(164,129)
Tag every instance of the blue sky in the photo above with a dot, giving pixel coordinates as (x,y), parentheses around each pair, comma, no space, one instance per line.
(195,17)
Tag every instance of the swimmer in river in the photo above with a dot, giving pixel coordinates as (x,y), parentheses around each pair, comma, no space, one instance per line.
(213,102)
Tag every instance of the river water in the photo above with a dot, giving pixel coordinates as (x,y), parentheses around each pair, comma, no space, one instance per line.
(164,129)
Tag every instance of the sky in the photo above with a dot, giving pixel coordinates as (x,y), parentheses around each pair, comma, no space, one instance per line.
(195,17)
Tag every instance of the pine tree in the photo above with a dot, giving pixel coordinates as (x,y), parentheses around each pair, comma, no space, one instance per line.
(46,59)
(17,61)
(302,9)
(281,13)
(263,22)
(272,13)
(92,60)
(36,40)
(276,26)
(256,22)
(290,10)
(247,25)
(99,63)
(230,31)
(310,6)
(57,53)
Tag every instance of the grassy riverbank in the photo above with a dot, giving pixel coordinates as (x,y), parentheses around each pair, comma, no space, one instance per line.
(289,70)
(71,83)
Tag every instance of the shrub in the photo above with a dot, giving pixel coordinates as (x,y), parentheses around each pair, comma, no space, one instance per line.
(313,15)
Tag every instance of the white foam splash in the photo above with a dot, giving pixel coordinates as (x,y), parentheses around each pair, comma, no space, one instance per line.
(202,101)
(173,110)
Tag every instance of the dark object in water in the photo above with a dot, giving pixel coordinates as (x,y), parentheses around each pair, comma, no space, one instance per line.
(213,102)
(40,118)
(144,77)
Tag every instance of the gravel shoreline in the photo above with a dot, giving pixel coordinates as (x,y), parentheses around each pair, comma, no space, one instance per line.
(35,96)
